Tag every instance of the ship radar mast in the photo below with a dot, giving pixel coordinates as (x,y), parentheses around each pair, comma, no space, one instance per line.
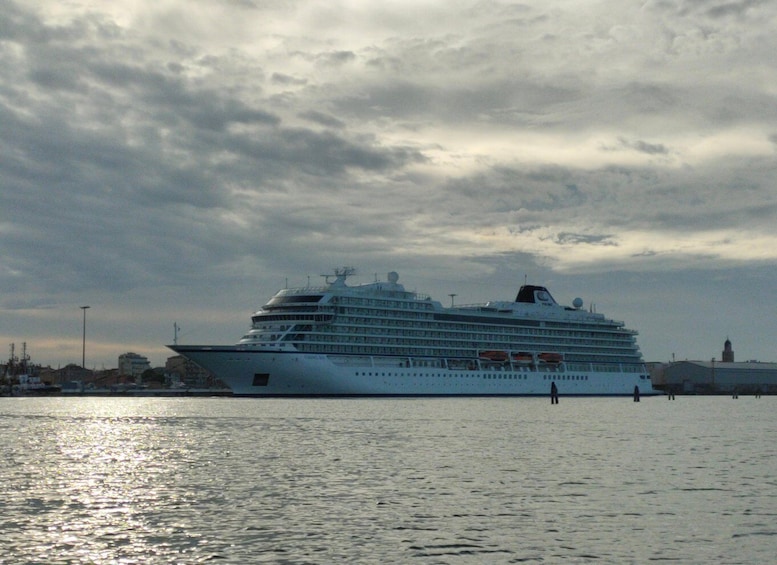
(341,273)
(344,272)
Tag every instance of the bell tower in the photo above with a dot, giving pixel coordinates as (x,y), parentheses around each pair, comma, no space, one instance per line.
(728,353)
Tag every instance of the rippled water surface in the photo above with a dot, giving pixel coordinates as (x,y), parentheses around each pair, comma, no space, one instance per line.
(497,480)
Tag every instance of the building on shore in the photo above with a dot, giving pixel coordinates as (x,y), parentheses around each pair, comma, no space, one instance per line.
(728,354)
(134,374)
(133,365)
(716,377)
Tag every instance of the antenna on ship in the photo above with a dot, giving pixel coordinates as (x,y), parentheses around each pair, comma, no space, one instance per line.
(452,295)
(345,272)
(176,327)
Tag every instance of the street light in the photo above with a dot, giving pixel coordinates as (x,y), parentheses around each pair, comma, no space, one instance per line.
(83,343)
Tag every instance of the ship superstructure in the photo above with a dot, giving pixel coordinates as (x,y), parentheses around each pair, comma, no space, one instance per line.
(381,339)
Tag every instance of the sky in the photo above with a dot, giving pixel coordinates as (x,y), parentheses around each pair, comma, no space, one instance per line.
(176,163)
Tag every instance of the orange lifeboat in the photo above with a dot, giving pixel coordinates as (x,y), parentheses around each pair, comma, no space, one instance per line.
(522,358)
(499,356)
(551,357)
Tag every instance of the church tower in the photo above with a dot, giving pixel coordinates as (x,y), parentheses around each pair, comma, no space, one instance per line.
(728,353)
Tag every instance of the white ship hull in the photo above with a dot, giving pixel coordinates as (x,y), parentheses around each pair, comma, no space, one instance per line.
(278,372)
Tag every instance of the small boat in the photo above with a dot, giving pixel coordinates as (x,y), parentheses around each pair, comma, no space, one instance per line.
(21,376)
(30,385)
(523,358)
(499,356)
(550,357)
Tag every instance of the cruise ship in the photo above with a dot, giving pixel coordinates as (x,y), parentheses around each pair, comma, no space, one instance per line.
(379,339)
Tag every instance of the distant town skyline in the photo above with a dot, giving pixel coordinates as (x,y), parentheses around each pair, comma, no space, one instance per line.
(162,169)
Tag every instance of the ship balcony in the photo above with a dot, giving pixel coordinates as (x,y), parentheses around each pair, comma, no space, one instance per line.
(308,317)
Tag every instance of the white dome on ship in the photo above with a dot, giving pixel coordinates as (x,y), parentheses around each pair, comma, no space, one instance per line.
(577,303)
(393,277)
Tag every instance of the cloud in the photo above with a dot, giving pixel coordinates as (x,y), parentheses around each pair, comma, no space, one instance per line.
(145,152)
(644,147)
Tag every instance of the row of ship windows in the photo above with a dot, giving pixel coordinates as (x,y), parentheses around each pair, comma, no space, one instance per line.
(526,343)
(367,322)
(563,338)
(397,304)
(389,315)
(441,348)
(401,317)
(512,377)
(600,364)
(408,337)
(493,342)
(347,324)
(359,326)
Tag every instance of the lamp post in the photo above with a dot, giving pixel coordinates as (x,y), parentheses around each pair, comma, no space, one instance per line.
(83,343)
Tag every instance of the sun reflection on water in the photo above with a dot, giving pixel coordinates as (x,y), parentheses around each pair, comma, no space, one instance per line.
(125,481)
(95,485)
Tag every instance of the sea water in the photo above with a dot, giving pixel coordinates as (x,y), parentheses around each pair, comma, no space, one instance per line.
(439,480)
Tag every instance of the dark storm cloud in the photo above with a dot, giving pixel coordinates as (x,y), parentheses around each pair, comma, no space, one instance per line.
(529,193)
(725,8)
(166,154)
(139,169)
(323,119)
(336,57)
(503,100)
(644,146)
(576,238)
(280,78)
(321,153)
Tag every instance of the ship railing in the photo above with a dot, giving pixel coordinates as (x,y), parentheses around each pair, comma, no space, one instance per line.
(388,361)
(302,290)
(470,364)
(366,290)
(354,360)
(474,306)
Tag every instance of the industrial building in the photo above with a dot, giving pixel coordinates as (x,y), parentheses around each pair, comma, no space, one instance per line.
(716,377)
